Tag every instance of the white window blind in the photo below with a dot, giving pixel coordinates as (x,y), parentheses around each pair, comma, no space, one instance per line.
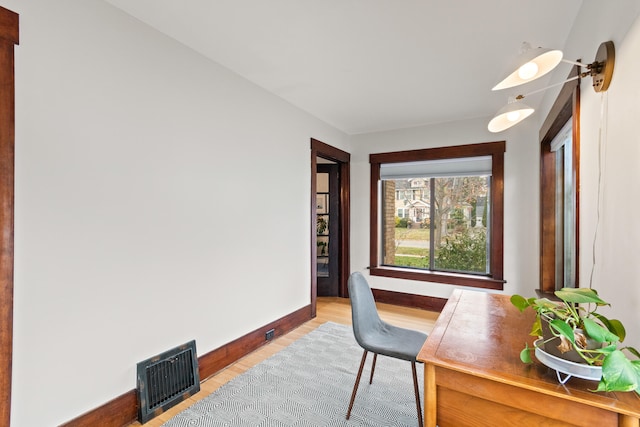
(463,166)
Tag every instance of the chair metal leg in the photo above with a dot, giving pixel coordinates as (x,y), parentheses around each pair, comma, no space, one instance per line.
(417,391)
(355,386)
(373,367)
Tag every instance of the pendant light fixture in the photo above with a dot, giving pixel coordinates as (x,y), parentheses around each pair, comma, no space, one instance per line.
(510,115)
(534,63)
(530,65)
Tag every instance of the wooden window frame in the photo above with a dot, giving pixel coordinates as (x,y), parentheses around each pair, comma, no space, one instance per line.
(493,281)
(566,106)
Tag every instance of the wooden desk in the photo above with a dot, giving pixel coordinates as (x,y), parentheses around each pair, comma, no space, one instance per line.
(473,375)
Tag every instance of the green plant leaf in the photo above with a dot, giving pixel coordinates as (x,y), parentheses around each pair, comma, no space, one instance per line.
(525,354)
(608,349)
(619,373)
(613,325)
(580,296)
(598,332)
(536,328)
(520,302)
(544,304)
(562,328)
(617,328)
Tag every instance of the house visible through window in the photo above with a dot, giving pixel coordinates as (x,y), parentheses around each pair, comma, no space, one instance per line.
(437,215)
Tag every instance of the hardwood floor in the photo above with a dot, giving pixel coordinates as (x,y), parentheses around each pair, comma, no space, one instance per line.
(335,310)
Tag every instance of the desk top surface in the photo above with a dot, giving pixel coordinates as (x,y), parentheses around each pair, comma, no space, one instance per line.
(482,334)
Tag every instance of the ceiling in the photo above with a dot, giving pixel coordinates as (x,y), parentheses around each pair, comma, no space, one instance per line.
(368,65)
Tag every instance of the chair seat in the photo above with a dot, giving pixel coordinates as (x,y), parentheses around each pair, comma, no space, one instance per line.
(393,341)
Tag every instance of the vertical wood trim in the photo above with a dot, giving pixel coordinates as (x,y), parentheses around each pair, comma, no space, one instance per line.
(497,215)
(547,219)
(373,214)
(8,38)
(314,237)
(345,229)
(430,396)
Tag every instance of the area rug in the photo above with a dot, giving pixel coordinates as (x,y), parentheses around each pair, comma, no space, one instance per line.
(309,383)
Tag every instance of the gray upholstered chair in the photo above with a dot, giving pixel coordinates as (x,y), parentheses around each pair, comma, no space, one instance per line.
(379,337)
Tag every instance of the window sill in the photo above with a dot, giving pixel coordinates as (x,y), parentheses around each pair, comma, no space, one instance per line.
(440,277)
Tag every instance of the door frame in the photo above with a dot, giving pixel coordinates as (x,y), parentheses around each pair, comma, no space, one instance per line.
(325,151)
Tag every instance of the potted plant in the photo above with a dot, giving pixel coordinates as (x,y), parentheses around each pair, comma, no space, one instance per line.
(321,225)
(574,320)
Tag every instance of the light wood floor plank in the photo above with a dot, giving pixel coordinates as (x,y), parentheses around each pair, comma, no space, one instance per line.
(330,309)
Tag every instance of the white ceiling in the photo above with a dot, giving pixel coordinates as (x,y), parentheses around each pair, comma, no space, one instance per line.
(368,65)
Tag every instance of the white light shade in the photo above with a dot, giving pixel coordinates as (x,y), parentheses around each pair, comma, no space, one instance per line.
(509,115)
(530,65)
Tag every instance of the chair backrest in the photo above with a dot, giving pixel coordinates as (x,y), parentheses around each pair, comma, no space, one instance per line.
(364,313)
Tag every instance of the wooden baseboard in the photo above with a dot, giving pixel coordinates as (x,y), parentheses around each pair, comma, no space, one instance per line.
(123,410)
(222,357)
(409,300)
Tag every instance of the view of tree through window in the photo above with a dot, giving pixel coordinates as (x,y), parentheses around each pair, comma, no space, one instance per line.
(440,223)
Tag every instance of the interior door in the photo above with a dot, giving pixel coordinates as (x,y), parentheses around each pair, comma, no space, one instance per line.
(328,228)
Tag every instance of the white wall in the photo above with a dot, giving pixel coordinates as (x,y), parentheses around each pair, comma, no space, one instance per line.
(610,160)
(129,148)
(521,195)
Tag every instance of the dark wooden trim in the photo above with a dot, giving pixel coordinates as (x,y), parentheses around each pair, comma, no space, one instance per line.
(452,152)
(409,300)
(566,105)
(497,217)
(547,219)
(326,151)
(314,237)
(320,149)
(438,277)
(374,237)
(9,32)
(345,226)
(496,150)
(9,27)
(123,410)
(561,109)
(222,357)
(118,412)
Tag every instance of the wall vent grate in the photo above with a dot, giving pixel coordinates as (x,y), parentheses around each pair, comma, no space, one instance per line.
(166,380)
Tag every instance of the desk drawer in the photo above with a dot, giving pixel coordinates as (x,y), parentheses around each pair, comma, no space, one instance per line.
(466,400)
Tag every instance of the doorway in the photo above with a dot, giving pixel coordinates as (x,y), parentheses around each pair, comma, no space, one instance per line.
(330,221)
(327,227)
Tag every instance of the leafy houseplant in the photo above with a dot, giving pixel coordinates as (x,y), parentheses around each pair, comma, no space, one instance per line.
(574,320)
(321,225)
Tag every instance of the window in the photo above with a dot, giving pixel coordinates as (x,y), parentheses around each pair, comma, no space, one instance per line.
(452,204)
(559,186)
(565,209)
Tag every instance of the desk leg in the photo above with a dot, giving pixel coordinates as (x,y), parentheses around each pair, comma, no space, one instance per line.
(430,395)
(624,420)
